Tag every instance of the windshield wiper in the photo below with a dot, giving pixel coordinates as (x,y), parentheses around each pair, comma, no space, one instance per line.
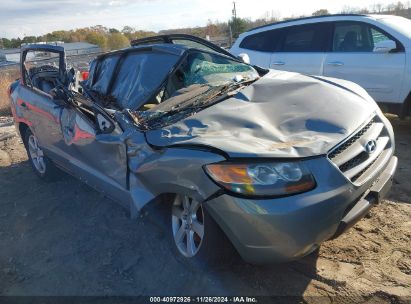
(152,119)
(225,91)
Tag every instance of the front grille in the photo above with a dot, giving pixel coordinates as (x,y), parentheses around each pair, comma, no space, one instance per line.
(351,140)
(357,160)
(351,156)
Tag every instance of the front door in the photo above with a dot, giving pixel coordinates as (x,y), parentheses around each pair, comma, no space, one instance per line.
(353,58)
(97,158)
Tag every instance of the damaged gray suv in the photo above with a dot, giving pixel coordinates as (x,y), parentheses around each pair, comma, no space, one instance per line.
(271,161)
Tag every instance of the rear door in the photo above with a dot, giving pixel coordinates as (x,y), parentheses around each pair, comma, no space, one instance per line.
(302,48)
(42,66)
(353,58)
(261,47)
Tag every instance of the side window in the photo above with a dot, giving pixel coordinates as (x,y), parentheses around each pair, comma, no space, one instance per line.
(267,41)
(356,37)
(377,36)
(306,38)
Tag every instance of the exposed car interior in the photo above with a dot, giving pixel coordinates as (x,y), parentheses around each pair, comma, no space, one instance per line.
(128,90)
(349,43)
(353,38)
(43,78)
(42,70)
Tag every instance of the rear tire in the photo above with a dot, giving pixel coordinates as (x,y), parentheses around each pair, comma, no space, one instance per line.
(41,164)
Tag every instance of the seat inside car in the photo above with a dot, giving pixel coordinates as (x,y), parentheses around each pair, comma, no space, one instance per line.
(45,85)
(349,43)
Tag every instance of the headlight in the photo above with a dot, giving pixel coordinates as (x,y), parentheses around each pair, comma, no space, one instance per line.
(262,179)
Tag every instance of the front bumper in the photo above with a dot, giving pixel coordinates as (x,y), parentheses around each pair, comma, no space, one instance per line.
(284,229)
(370,198)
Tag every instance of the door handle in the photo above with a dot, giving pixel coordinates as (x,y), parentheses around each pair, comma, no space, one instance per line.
(278,63)
(335,63)
(23,105)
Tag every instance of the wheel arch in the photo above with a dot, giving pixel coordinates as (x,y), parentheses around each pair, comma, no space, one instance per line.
(22,128)
(140,198)
(406,107)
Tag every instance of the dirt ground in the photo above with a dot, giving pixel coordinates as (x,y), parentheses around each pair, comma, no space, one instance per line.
(63,238)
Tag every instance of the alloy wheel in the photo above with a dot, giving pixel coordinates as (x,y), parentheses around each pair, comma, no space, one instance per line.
(36,154)
(187,224)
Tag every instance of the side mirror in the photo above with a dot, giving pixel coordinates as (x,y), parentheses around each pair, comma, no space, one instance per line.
(385,46)
(244,58)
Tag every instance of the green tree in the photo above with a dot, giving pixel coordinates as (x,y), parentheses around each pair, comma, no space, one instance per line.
(129,32)
(238,26)
(5,43)
(99,29)
(15,43)
(29,39)
(117,41)
(321,12)
(97,38)
(113,30)
(128,29)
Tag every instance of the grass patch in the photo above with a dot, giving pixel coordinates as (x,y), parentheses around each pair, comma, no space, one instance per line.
(7,76)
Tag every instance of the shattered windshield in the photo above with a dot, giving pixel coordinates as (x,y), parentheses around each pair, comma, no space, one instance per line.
(201,80)
(212,69)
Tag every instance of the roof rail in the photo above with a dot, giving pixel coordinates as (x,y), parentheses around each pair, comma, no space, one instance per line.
(306,18)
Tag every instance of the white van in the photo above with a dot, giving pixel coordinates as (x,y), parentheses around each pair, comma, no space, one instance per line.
(373,51)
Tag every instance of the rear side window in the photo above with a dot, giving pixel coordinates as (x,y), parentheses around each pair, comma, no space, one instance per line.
(267,41)
(306,38)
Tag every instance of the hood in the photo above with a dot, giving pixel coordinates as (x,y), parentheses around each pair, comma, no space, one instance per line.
(283,114)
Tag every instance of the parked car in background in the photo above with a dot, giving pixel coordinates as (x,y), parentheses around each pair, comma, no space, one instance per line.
(3,59)
(278,162)
(373,51)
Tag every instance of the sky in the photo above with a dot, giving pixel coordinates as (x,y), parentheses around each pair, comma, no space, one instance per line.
(20,18)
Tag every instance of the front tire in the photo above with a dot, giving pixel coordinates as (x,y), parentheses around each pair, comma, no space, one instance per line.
(41,164)
(196,236)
